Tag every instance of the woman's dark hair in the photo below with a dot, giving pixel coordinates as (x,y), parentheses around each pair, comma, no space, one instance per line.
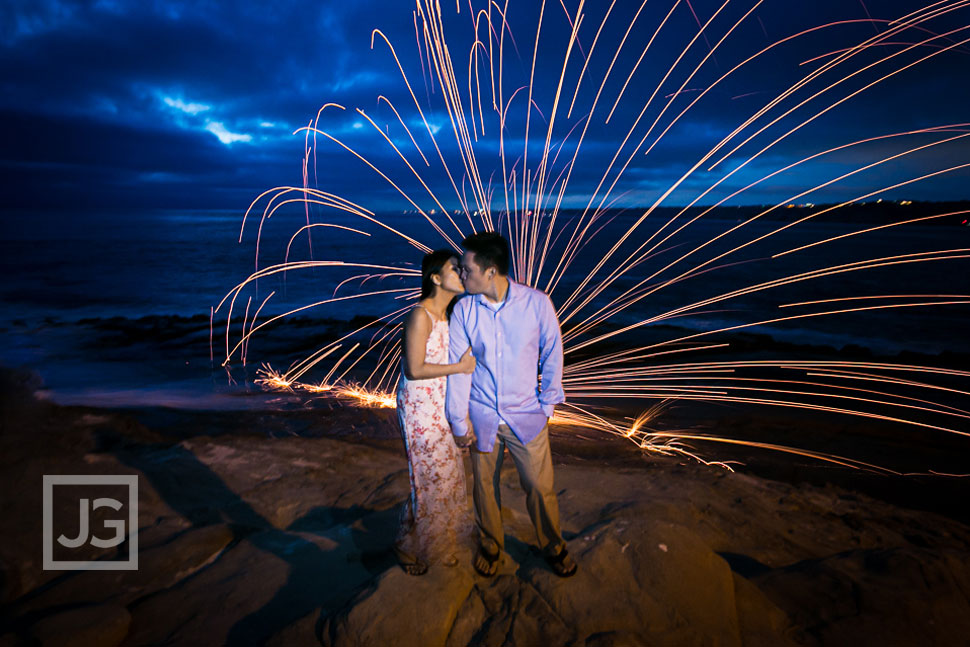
(490,249)
(433,263)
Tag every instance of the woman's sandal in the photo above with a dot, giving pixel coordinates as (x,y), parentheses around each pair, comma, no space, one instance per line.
(410,564)
(415,568)
(562,564)
(486,563)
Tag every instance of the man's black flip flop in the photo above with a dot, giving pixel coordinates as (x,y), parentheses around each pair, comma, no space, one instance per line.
(557,563)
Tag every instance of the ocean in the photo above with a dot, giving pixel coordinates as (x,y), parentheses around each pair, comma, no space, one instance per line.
(114,308)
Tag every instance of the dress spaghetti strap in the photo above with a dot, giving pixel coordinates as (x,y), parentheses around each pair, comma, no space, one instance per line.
(434,319)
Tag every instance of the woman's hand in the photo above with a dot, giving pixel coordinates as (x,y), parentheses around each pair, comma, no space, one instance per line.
(467,362)
(469,438)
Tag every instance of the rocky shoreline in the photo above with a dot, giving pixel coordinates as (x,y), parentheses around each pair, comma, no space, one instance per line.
(274,530)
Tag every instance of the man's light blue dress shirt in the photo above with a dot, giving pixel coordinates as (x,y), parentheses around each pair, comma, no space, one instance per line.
(514,342)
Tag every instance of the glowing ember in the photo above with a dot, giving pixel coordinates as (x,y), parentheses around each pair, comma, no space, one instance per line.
(271,380)
(363,397)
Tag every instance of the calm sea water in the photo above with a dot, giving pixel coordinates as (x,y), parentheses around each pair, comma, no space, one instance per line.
(60,269)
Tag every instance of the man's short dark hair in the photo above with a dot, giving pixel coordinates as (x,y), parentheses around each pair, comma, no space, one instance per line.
(490,249)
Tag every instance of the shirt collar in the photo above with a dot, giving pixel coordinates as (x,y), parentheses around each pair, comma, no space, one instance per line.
(514,291)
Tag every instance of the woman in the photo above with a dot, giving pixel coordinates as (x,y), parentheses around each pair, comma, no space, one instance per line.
(435,515)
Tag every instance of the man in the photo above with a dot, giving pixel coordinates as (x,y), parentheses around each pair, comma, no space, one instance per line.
(514,334)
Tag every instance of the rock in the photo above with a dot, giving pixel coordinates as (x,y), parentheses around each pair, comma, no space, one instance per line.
(762,624)
(614,639)
(158,568)
(650,579)
(469,619)
(10,585)
(255,481)
(402,609)
(901,596)
(256,589)
(305,631)
(186,554)
(104,625)
(18,391)
(640,582)
(507,611)
(283,541)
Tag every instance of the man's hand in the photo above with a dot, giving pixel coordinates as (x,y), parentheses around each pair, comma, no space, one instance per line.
(469,438)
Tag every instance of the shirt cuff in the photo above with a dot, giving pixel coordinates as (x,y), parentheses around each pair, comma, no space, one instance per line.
(459,428)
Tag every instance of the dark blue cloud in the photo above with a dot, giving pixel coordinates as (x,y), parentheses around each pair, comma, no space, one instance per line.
(179,104)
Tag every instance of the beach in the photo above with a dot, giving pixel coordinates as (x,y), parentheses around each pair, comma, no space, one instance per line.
(273,527)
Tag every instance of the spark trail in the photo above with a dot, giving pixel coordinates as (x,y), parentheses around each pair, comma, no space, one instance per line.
(544,140)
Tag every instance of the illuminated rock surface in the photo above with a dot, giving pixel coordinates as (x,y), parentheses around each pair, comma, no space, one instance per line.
(249,539)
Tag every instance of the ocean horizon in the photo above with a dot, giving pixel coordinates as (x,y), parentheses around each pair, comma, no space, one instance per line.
(75,282)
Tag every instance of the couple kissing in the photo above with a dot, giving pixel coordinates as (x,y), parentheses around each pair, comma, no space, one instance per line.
(474,349)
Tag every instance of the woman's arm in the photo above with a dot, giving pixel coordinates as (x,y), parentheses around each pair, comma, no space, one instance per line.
(417,330)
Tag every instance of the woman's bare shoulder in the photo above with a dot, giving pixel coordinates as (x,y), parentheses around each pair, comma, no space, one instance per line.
(418,318)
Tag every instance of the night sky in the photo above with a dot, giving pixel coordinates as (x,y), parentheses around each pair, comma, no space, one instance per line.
(183,105)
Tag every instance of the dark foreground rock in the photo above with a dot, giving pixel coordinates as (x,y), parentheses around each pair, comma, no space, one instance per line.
(102,625)
(246,539)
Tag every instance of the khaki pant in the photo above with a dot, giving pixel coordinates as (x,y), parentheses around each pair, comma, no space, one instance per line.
(534,464)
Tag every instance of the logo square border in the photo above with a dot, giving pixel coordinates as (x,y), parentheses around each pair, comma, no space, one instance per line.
(50,480)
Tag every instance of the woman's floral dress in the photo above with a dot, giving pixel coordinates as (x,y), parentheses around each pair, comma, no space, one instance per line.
(435,517)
